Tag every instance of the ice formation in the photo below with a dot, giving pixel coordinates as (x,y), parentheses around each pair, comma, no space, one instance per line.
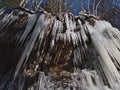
(60,53)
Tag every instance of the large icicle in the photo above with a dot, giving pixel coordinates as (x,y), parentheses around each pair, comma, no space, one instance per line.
(31,22)
(39,27)
(107,51)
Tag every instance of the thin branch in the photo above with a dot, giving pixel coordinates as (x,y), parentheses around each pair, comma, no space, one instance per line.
(82,5)
(23,3)
(88,7)
(39,4)
(60,7)
(98,5)
(94,7)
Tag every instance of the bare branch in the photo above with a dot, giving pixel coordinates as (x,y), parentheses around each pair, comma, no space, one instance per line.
(88,7)
(82,5)
(94,7)
(98,6)
(23,3)
(39,4)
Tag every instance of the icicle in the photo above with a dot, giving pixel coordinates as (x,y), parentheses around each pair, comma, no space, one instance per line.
(41,37)
(2,11)
(44,83)
(39,26)
(31,22)
(89,80)
(77,57)
(83,34)
(67,22)
(105,48)
(8,19)
(57,29)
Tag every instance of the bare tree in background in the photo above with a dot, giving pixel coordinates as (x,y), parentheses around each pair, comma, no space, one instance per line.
(52,6)
(13,3)
(105,9)
(112,12)
(23,3)
(56,6)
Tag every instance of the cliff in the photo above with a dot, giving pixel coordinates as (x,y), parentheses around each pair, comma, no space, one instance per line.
(39,51)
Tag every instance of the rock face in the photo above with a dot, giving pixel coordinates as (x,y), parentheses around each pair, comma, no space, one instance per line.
(39,51)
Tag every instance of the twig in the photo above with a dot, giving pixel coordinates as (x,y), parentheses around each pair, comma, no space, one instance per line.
(39,4)
(94,7)
(88,7)
(82,5)
(97,6)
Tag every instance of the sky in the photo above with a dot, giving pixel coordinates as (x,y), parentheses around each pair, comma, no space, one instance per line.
(76,6)
(74,3)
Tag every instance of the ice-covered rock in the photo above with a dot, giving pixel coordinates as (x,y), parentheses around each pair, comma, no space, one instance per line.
(72,53)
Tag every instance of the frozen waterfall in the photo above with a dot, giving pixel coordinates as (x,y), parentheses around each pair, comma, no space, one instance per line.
(64,52)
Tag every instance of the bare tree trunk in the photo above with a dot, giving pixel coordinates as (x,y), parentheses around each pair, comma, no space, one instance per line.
(35,5)
(60,4)
(23,3)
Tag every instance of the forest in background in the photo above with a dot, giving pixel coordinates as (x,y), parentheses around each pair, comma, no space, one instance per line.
(105,9)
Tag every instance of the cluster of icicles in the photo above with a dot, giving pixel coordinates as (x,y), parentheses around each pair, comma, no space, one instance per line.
(98,45)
